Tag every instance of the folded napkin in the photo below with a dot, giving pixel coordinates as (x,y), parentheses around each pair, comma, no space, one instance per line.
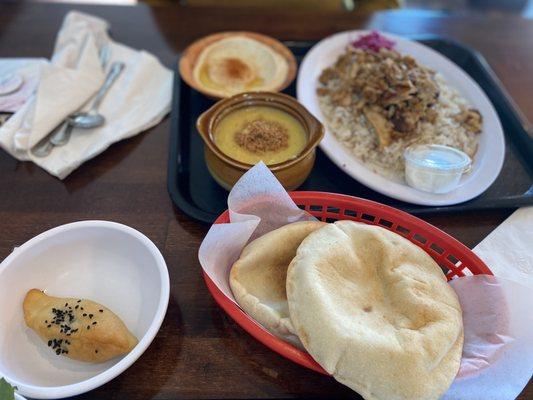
(138,100)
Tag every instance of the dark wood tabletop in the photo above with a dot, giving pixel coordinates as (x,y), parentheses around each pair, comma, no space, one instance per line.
(199,351)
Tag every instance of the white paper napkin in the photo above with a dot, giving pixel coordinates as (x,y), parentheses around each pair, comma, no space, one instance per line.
(138,100)
(505,335)
(497,357)
(497,360)
(508,250)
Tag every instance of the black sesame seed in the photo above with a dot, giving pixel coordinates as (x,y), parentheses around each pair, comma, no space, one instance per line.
(49,326)
(94,323)
(58,351)
(96,351)
(81,308)
(84,314)
(101,310)
(79,301)
(66,304)
(49,343)
(88,326)
(91,315)
(76,307)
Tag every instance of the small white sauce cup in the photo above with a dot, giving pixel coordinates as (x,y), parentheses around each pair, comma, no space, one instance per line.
(435,168)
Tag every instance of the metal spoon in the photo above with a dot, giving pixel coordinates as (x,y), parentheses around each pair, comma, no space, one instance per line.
(92,119)
(44,147)
(61,135)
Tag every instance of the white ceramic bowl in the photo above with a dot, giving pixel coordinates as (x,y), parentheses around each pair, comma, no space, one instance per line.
(107,262)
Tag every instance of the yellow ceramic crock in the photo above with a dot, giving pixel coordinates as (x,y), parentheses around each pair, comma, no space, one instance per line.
(226,170)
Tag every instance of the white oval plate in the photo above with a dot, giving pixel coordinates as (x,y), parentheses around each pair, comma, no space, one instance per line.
(488,160)
(107,262)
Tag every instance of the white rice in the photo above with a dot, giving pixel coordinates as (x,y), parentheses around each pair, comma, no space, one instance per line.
(352,130)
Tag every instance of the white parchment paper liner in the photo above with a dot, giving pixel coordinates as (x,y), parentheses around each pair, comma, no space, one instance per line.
(257,204)
(497,358)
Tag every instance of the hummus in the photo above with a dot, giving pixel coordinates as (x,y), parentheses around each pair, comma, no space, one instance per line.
(239,64)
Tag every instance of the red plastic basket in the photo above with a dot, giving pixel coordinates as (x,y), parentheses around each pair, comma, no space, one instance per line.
(454,258)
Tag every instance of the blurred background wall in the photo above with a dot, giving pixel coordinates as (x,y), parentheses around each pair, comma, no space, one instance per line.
(519,7)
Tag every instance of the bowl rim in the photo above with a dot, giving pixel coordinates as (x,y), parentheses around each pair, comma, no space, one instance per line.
(313,127)
(55,392)
(190,55)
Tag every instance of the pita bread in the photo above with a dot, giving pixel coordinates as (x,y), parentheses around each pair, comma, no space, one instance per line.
(376,312)
(257,279)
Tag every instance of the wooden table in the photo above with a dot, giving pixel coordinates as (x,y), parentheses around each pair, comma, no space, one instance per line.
(199,352)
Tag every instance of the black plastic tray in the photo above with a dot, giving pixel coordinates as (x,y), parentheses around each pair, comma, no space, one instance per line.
(194,191)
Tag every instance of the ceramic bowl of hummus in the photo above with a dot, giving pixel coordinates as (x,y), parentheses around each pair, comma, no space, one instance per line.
(240,131)
(228,63)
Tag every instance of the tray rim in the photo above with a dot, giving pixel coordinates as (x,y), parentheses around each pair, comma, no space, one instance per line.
(174,163)
(172,173)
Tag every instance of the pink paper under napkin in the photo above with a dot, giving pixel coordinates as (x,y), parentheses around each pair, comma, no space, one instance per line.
(498,351)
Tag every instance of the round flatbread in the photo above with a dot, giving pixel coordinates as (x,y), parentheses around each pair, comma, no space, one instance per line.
(257,279)
(376,312)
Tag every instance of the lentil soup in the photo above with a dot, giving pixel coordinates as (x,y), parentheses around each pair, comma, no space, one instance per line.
(256,133)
